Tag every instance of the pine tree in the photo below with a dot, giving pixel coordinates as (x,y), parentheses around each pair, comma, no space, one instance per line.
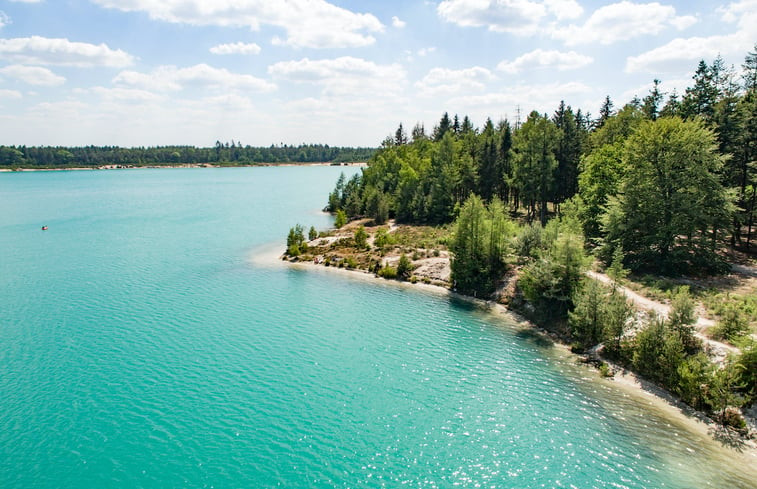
(651,103)
(605,112)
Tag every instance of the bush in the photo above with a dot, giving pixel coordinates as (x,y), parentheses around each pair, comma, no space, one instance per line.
(404,267)
(341,219)
(361,238)
(312,234)
(528,243)
(388,272)
(732,325)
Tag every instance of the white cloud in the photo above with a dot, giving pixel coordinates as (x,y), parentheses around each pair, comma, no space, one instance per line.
(513,16)
(236,48)
(308,23)
(9,94)
(426,51)
(47,51)
(564,9)
(120,94)
(622,21)
(681,53)
(4,19)
(396,22)
(445,81)
(33,75)
(540,58)
(171,78)
(539,97)
(345,76)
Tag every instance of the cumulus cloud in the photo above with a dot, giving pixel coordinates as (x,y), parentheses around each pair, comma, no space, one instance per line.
(622,21)
(346,75)
(513,16)
(33,75)
(307,23)
(540,97)
(47,51)
(521,17)
(540,58)
(681,53)
(120,94)
(236,48)
(446,81)
(171,78)
(9,94)
(564,9)
(4,19)
(396,22)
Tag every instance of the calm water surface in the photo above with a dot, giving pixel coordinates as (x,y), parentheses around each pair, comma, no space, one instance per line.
(141,347)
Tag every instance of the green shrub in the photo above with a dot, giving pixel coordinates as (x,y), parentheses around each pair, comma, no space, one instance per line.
(361,238)
(404,267)
(388,272)
(732,325)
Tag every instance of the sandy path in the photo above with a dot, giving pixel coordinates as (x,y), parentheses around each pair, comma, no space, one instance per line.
(718,349)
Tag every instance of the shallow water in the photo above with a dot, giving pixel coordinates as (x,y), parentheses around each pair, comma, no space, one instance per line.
(140,347)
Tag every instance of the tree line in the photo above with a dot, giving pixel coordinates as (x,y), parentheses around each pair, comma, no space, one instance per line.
(220,153)
(669,178)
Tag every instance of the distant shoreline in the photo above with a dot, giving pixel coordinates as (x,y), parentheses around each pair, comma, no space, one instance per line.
(183,165)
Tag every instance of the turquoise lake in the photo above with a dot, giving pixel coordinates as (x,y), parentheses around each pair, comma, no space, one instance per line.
(142,345)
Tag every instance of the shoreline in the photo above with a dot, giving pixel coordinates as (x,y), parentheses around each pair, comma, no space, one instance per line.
(645,392)
(181,165)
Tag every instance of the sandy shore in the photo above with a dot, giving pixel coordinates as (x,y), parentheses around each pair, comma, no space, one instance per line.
(648,394)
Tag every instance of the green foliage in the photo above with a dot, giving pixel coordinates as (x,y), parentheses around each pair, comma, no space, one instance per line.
(382,238)
(658,353)
(404,267)
(388,272)
(747,369)
(296,241)
(616,271)
(481,242)
(361,238)
(693,373)
(552,282)
(601,173)
(722,391)
(229,153)
(312,233)
(733,323)
(341,219)
(682,319)
(617,315)
(535,164)
(674,207)
(528,243)
(586,319)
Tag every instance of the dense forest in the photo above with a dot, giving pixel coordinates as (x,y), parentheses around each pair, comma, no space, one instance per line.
(224,154)
(669,178)
(666,184)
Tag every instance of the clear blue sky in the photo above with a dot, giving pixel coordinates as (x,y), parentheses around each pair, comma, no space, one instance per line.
(340,72)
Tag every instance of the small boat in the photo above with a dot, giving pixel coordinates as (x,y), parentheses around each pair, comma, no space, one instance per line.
(44,228)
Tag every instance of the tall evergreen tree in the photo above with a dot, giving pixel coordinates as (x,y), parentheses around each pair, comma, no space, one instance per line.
(444,126)
(535,162)
(651,103)
(568,154)
(605,111)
